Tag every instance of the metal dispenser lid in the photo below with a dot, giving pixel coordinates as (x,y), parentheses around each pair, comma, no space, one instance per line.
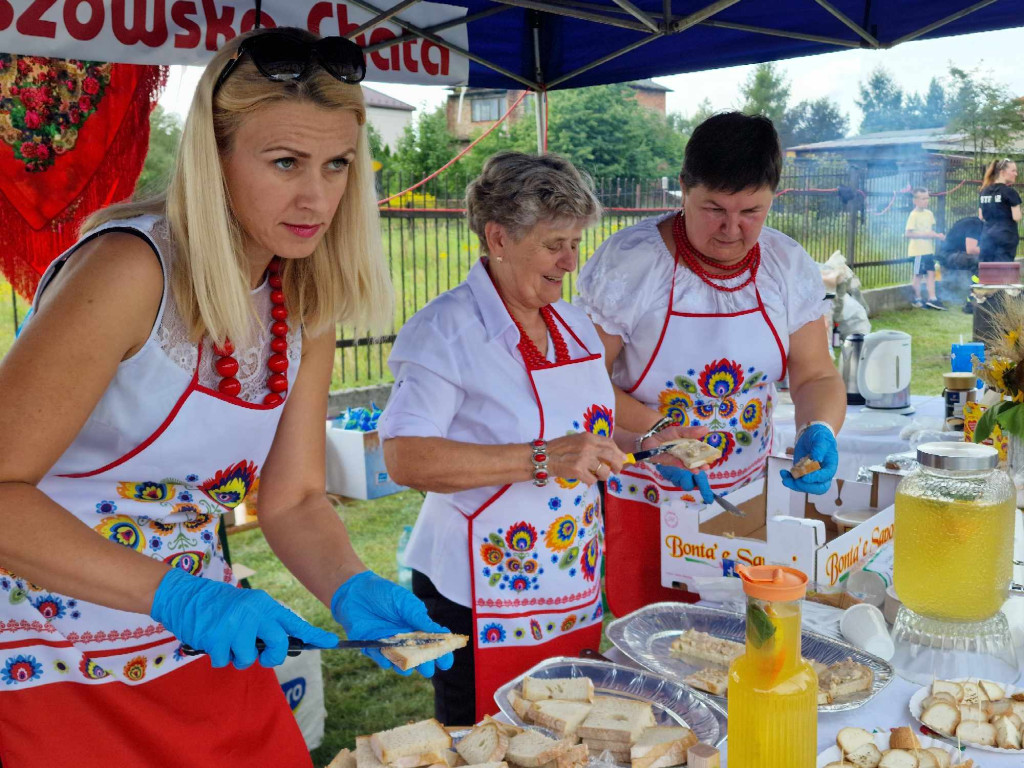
(957,456)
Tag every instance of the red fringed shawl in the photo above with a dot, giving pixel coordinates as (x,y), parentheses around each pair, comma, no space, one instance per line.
(73,138)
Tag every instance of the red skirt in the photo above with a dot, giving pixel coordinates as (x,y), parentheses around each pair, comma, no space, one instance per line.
(196,715)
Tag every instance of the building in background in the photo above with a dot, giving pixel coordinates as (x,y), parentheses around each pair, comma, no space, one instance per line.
(388,115)
(469,109)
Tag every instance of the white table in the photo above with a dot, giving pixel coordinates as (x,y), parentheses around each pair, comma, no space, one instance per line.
(859,448)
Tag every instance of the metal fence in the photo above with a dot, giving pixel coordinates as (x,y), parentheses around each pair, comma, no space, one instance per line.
(825,206)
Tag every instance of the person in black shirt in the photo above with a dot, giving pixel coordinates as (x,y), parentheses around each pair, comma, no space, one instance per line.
(999,209)
(962,246)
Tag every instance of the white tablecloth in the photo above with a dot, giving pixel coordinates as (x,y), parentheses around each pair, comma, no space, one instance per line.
(859,448)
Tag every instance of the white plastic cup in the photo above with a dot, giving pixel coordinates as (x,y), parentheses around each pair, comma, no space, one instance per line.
(864,626)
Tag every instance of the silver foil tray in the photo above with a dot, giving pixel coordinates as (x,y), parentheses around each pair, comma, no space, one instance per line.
(646,635)
(673,704)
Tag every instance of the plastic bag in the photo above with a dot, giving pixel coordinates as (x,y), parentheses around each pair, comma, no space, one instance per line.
(359,419)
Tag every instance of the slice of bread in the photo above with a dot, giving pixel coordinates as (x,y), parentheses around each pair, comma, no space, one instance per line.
(520,705)
(484,744)
(617,719)
(496,764)
(851,739)
(976,733)
(903,738)
(693,453)
(574,757)
(703,756)
(560,716)
(509,729)
(453,759)
(1007,733)
(714,680)
(700,645)
(662,747)
(413,745)
(567,688)
(344,759)
(942,717)
(946,686)
(365,756)
(898,758)
(805,466)
(612,744)
(973,712)
(847,678)
(406,657)
(942,758)
(531,749)
(994,691)
(925,759)
(865,756)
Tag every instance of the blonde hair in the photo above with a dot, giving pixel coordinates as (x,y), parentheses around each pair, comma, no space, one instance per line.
(345,280)
(518,190)
(993,170)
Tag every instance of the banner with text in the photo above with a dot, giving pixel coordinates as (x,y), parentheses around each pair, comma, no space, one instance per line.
(190,31)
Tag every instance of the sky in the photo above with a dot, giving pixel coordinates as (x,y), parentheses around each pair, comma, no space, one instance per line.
(835,75)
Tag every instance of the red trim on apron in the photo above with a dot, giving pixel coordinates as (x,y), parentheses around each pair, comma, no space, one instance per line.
(85,725)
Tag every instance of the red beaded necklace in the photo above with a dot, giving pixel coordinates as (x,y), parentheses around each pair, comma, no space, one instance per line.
(277,381)
(694,259)
(531,354)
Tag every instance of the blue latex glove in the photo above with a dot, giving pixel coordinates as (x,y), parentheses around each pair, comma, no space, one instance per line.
(225,621)
(370,608)
(817,442)
(687,480)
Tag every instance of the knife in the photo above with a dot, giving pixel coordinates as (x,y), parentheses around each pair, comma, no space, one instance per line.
(729,507)
(295,645)
(633,458)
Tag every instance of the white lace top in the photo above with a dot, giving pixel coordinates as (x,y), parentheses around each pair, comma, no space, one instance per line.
(624,287)
(147,385)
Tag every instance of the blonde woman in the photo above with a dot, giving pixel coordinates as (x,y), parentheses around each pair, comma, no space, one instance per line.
(181,350)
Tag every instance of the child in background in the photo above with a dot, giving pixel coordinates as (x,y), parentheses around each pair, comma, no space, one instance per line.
(922,236)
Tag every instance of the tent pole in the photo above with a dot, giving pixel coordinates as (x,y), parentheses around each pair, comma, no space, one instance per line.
(783,33)
(381,17)
(540,121)
(419,31)
(560,10)
(437,28)
(603,59)
(635,12)
(941,22)
(538,75)
(698,16)
(849,22)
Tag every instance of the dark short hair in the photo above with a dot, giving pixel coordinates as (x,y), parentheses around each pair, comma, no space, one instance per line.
(730,152)
(920,191)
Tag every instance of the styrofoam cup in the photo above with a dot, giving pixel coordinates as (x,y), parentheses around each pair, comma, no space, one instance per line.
(864,626)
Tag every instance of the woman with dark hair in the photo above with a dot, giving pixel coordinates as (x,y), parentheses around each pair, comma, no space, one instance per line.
(999,209)
(700,312)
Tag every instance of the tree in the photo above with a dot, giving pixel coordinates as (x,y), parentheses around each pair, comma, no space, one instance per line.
(936,109)
(881,100)
(983,110)
(425,145)
(378,149)
(686,125)
(164,136)
(818,120)
(766,92)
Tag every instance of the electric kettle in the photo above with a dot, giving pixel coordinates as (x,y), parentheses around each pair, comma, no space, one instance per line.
(883,370)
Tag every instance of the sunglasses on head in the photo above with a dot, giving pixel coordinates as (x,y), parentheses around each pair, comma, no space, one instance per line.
(285,57)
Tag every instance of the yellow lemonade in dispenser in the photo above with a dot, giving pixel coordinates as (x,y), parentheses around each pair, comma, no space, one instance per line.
(773,691)
(953,559)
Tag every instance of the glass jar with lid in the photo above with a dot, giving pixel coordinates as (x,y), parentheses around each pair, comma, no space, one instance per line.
(953,538)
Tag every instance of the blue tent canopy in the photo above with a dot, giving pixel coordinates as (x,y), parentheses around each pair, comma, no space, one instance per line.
(549,44)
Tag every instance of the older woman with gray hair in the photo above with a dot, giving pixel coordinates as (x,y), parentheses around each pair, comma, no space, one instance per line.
(502,410)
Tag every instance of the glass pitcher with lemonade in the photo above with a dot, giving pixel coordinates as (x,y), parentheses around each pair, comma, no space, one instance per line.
(953,563)
(773,691)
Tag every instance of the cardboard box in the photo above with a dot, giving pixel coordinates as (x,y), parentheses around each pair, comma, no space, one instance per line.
(355,465)
(781,528)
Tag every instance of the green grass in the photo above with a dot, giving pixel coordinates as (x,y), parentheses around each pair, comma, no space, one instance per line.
(932,334)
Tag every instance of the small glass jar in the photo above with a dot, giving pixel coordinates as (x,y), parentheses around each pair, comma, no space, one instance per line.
(953,538)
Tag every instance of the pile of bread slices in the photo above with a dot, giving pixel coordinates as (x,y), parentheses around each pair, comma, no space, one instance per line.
(623,728)
(976,712)
(859,750)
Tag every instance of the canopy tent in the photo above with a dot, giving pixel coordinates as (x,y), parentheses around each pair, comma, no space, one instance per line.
(537,44)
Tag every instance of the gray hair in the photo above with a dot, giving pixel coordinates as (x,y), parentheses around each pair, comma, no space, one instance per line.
(517,191)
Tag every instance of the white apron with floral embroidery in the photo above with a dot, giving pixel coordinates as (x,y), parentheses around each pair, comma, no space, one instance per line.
(164,500)
(535,553)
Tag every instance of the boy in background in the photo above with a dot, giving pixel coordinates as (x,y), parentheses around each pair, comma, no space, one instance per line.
(922,236)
